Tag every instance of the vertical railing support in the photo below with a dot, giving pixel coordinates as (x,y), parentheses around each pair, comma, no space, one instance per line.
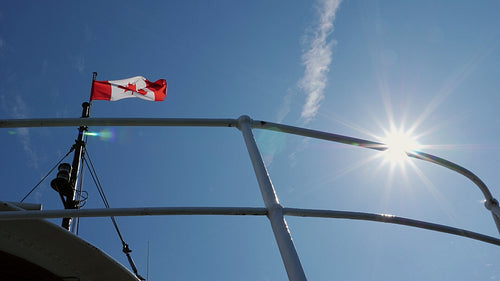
(275,210)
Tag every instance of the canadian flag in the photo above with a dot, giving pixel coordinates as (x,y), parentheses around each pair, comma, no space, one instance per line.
(135,87)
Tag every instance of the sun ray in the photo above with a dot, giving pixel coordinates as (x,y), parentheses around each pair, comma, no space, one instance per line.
(444,204)
(350,125)
(321,183)
(354,166)
(453,82)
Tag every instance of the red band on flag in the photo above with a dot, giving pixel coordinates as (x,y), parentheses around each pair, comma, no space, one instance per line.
(102,91)
(159,87)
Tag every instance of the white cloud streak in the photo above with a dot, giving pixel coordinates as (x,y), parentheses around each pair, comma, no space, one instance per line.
(285,107)
(317,60)
(78,62)
(17,108)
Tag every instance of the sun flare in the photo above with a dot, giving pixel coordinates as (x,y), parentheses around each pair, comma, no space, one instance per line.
(399,143)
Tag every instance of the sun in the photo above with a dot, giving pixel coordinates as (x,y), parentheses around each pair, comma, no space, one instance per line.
(399,143)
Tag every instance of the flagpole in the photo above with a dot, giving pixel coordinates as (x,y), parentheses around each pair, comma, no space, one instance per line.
(70,202)
(94,77)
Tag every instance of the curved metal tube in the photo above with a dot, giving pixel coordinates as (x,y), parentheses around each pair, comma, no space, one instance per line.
(70,122)
(491,203)
(390,219)
(241,211)
(131,212)
(204,122)
(378,146)
(459,169)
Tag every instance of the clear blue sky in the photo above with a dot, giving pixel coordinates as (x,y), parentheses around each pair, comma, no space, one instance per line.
(429,66)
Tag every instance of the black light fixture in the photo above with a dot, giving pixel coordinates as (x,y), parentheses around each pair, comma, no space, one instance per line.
(61,183)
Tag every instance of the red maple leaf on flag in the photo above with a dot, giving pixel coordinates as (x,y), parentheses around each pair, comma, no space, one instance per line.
(133,88)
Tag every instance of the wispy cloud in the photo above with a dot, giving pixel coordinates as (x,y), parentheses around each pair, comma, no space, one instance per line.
(317,60)
(78,62)
(89,35)
(16,107)
(285,106)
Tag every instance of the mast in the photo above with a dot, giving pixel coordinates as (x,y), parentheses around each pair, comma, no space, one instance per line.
(67,179)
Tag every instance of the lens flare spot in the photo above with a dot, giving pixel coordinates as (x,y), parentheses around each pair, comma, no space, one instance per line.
(107,135)
(104,135)
(271,144)
(92,134)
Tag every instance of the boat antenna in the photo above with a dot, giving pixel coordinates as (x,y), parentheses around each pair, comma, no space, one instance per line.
(147,272)
(67,178)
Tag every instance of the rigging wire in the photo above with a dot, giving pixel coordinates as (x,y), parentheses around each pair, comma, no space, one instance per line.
(83,194)
(53,168)
(78,198)
(80,187)
(97,182)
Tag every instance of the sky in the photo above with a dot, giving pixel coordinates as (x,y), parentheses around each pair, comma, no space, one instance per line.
(357,68)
